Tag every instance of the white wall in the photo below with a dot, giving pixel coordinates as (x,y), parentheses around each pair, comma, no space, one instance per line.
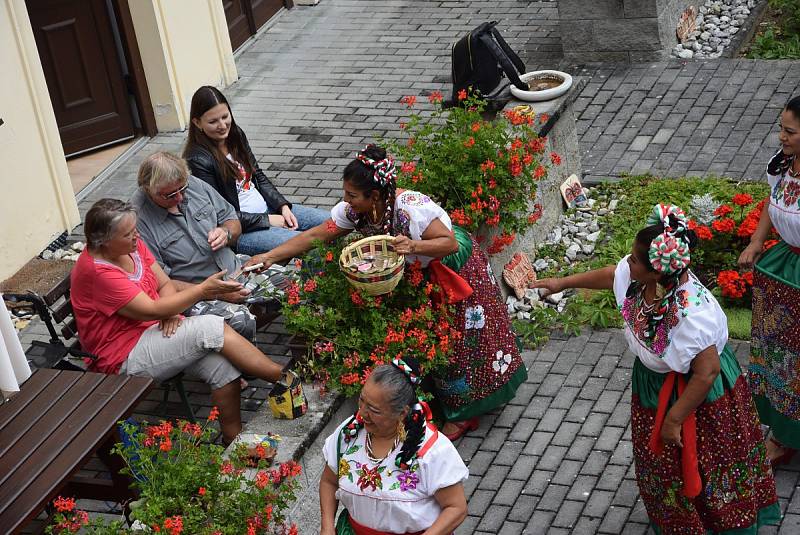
(184,44)
(36,199)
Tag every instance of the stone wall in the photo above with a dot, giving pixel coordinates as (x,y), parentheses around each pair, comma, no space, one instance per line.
(562,138)
(619,30)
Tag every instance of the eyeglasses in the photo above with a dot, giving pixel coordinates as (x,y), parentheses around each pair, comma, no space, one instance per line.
(172,195)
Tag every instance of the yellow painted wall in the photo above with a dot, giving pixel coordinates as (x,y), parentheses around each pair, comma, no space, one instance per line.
(184,45)
(36,199)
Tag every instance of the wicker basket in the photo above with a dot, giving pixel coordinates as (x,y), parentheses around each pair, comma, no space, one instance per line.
(377,282)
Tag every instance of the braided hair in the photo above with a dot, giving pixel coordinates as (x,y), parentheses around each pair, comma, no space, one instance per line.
(398,380)
(664,246)
(373,170)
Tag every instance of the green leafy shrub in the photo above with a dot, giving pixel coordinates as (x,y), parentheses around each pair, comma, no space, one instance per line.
(779,40)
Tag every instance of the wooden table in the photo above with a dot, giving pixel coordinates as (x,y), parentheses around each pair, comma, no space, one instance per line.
(51,428)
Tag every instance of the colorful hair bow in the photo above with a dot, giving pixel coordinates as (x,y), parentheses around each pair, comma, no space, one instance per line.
(384,171)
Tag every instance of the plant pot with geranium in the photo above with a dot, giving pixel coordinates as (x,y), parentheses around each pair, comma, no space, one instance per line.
(187,485)
(349,332)
(484,173)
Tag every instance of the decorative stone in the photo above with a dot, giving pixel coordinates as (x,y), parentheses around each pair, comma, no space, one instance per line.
(593,237)
(572,251)
(539,265)
(78,246)
(47,254)
(554,298)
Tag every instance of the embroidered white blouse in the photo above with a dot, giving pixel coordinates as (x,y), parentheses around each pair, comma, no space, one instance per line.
(413,213)
(386,498)
(784,206)
(694,323)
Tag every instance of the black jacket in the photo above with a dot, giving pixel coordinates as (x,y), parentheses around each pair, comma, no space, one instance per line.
(204,166)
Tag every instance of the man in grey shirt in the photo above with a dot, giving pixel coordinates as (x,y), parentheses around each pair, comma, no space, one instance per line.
(190,229)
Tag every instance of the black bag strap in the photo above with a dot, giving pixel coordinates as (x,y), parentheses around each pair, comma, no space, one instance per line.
(507,49)
(508,67)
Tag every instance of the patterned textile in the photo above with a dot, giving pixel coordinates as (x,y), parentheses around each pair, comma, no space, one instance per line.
(486,367)
(775,356)
(238,316)
(738,490)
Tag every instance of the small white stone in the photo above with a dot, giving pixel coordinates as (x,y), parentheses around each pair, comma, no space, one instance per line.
(555,298)
(613,204)
(686,54)
(78,246)
(540,264)
(47,254)
(511,300)
(593,237)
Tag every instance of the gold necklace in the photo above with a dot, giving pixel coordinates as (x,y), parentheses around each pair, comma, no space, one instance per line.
(371,456)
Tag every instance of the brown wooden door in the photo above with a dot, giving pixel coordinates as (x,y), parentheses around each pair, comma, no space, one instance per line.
(245,17)
(239,26)
(82,70)
(263,10)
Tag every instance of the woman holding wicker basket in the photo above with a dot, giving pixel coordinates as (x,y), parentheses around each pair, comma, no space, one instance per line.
(486,367)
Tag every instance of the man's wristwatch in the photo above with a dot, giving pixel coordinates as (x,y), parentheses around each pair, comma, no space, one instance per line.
(228,233)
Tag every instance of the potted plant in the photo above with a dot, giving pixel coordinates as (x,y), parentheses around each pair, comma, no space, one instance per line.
(349,332)
(187,485)
(484,173)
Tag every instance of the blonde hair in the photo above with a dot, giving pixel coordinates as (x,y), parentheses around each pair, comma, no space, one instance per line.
(161,169)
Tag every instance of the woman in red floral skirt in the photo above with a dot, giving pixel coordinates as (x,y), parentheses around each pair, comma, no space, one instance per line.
(700,458)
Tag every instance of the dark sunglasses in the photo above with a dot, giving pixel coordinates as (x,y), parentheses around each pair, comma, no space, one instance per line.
(172,195)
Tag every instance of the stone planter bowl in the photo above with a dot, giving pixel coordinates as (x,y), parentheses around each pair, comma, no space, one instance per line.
(563,79)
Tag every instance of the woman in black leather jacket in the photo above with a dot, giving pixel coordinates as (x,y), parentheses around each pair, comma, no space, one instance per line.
(218,152)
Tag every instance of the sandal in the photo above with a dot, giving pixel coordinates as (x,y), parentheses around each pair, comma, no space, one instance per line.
(785,457)
(463,426)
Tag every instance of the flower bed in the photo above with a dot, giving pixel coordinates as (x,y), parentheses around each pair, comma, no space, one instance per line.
(349,332)
(724,214)
(187,486)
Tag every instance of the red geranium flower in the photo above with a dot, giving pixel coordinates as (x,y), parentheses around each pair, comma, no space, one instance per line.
(462,94)
(723,210)
(703,232)
(724,225)
(742,199)
(435,96)
(409,100)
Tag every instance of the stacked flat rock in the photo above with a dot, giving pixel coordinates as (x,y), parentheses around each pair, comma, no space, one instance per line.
(717,22)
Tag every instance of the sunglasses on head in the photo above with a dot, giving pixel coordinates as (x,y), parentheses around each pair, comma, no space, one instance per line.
(172,195)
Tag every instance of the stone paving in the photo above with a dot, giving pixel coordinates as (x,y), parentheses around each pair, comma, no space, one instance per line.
(322,81)
(558,458)
(678,118)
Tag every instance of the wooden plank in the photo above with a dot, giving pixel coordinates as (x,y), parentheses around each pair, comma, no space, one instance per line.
(62,311)
(54,293)
(50,416)
(22,501)
(31,388)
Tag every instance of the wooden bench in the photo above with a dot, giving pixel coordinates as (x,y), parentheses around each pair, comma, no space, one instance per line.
(55,307)
(51,428)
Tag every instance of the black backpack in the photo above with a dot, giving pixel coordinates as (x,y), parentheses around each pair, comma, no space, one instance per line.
(479,60)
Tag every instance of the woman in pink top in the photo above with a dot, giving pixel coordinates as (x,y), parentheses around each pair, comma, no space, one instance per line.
(129,314)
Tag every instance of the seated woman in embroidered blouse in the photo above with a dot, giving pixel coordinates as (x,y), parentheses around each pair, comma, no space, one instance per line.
(699,454)
(774,371)
(393,472)
(486,367)
(129,315)
(218,152)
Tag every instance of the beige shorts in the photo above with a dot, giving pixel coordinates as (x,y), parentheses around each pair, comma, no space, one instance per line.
(193,349)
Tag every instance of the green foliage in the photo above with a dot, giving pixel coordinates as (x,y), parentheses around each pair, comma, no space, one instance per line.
(713,255)
(481,172)
(779,40)
(536,331)
(739,320)
(186,486)
(349,332)
(598,310)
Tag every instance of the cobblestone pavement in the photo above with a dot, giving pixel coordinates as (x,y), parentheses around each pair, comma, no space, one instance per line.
(322,81)
(558,459)
(678,118)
